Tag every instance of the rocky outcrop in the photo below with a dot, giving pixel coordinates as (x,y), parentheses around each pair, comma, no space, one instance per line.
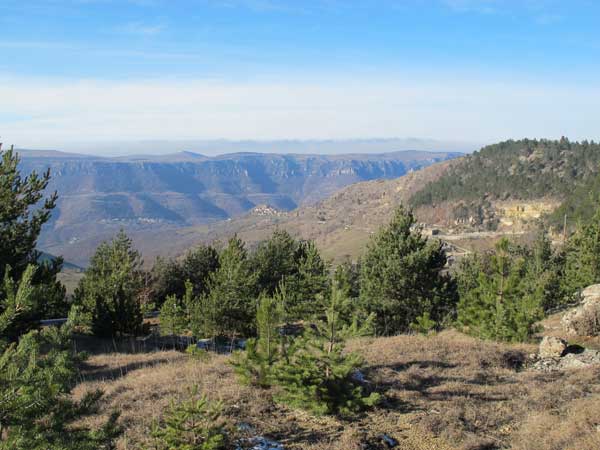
(585,358)
(555,354)
(585,319)
(552,347)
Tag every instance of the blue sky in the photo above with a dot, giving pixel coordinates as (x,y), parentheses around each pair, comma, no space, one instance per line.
(461,70)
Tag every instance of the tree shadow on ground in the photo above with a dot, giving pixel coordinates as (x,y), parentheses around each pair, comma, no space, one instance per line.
(436,383)
(91,372)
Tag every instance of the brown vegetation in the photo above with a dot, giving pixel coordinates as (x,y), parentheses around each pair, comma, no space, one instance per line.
(446,391)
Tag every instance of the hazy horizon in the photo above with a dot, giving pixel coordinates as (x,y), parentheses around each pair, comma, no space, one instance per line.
(219,147)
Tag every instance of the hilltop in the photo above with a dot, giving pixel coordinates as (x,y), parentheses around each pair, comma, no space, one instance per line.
(532,177)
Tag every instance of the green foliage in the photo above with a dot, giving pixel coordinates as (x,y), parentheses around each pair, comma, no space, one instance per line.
(498,300)
(309,284)
(512,169)
(36,377)
(316,374)
(582,260)
(545,270)
(402,277)
(346,278)
(110,290)
(23,212)
(276,259)
(299,265)
(523,170)
(169,276)
(579,205)
(193,424)
(172,317)
(423,324)
(198,354)
(254,364)
(20,225)
(229,307)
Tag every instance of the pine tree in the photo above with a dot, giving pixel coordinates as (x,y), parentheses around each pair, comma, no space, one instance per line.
(497,300)
(192,424)
(110,288)
(197,267)
(21,226)
(167,279)
(544,272)
(36,377)
(173,317)
(275,259)
(255,363)
(582,264)
(309,285)
(402,276)
(231,300)
(23,213)
(316,374)
(346,278)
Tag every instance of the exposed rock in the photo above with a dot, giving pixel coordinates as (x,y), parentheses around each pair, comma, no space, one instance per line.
(585,319)
(576,359)
(552,347)
(260,443)
(265,210)
(591,292)
(388,441)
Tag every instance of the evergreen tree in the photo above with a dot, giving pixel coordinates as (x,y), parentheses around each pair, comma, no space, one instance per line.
(275,259)
(402,276)
(309,285)
(497,300)
(232,292)
(23,212)
(169,276)
(20,225)
(197,267)
(192,424)
(346,278)
(545,270)
(172,317)
(167,279)
(582,261)
(36,377)
(316,374)
(255,363)
(110,288)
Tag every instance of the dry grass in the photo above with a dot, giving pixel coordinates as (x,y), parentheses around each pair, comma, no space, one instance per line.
(442,392)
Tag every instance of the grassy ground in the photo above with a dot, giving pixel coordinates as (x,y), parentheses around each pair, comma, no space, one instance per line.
(442,392)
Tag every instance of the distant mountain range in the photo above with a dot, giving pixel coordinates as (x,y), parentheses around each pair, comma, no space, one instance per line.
(98,195)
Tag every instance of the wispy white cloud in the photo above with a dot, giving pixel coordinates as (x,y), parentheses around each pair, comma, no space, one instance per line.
(55,112)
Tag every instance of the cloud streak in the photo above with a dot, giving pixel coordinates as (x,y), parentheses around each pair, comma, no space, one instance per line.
(58,112)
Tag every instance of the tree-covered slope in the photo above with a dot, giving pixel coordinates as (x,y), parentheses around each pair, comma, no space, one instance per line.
(516,170)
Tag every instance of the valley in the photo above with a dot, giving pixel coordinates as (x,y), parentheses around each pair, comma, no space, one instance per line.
(188,194)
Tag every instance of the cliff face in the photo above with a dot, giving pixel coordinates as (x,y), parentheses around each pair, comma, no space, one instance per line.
(190,189)
(166,202)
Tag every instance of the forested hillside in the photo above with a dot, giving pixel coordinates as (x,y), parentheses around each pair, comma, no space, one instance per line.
(519,170)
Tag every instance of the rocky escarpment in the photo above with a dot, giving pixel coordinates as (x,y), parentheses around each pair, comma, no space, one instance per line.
(188,188)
